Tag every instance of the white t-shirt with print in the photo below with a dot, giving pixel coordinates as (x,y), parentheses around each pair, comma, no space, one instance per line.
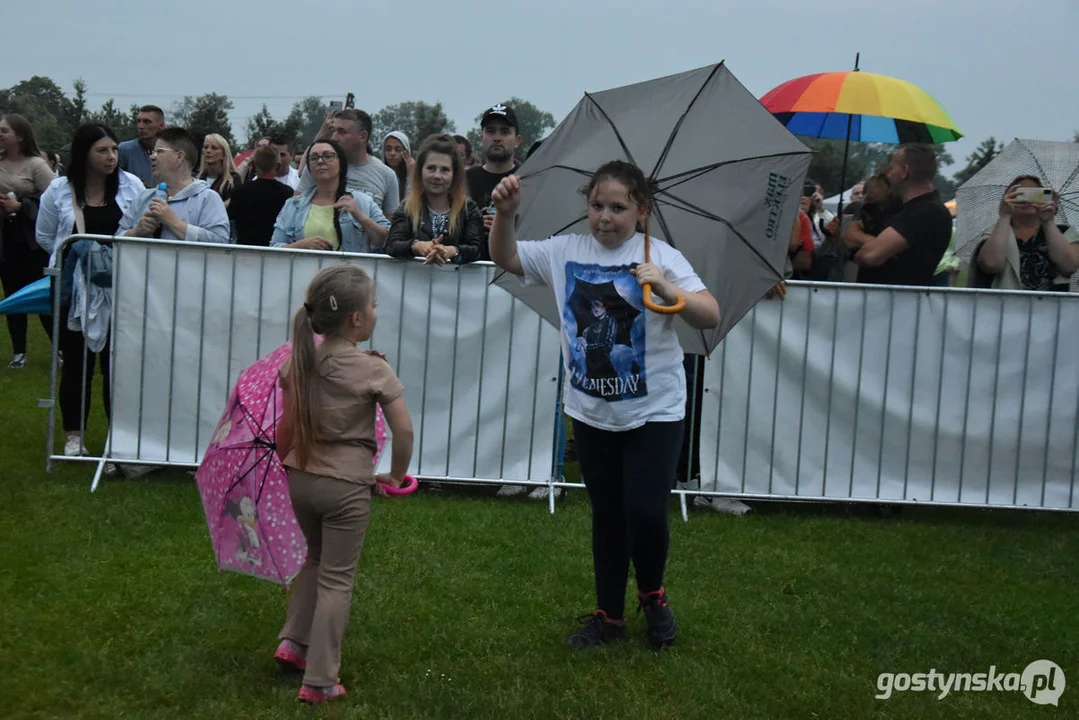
(623,363)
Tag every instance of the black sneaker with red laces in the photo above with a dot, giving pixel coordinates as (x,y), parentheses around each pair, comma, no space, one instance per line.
(598,630)
(658,617)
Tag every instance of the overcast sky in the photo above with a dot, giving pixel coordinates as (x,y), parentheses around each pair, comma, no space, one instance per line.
(1000,68)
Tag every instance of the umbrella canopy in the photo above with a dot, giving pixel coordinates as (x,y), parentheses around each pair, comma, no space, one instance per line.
(978,199)
(877,108)
(34,299)
(244,486)
(726,178)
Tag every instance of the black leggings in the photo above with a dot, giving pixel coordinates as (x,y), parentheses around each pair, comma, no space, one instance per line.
(20,267)
(629,476)
(72,345)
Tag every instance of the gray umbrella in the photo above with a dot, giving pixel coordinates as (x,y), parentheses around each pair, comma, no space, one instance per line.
(726,174)
(977,201)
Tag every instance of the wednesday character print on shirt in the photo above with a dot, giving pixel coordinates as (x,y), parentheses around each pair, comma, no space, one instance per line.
(603,319)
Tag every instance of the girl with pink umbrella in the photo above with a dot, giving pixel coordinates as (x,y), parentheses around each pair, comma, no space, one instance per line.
(326,439)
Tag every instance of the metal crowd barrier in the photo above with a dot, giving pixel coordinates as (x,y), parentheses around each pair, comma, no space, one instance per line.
(480,368)
(841,392)
(897,395)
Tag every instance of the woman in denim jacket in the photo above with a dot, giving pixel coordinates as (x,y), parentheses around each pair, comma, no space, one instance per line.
(328,216)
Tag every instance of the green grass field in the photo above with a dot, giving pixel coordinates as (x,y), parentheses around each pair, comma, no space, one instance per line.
(111,605)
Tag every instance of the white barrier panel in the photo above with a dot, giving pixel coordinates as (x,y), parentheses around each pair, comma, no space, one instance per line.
(859,392)
(479,367)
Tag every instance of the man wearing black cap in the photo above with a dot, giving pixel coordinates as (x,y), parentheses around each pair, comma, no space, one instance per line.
(500,142)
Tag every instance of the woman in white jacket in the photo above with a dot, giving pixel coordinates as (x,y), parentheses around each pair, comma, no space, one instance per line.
(91,199)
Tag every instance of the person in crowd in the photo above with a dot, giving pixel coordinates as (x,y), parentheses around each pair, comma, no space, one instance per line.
(829,255)
(90,200)
(351,129)
(397,154)
(824,222)
(297,158)
(216,167)
(286,174)
(190,211)
(501,139)
(135,154)
(255,205)
(464,148)
(879,206)
(55,163)
(1026,249)
(246,168)
(628,427)
(24,176)
(326,439)
(908,251)
(947,274)
(329,216)
(437,221)
(853,207)
(874,214)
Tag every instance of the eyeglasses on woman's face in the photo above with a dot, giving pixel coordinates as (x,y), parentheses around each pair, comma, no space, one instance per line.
(326,157)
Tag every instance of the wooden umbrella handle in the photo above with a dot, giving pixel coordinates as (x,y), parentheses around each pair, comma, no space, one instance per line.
(679,301)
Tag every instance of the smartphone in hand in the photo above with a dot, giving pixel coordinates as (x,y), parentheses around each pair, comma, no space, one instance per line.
(1034,196)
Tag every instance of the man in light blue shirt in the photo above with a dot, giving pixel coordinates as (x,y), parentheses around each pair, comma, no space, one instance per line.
(135,154)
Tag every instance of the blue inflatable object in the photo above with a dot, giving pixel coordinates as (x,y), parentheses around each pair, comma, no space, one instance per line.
(34,299)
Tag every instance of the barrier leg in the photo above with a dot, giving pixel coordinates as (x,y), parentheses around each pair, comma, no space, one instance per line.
(102,462)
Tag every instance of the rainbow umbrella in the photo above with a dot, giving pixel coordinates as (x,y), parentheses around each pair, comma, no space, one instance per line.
(870,107)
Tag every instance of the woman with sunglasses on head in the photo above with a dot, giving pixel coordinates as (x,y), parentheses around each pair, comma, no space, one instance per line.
(328,216)
(24,176)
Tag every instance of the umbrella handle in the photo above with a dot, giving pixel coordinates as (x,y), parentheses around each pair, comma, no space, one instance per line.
(679,301)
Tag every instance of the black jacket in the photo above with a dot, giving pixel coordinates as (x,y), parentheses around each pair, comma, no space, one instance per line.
(467,238)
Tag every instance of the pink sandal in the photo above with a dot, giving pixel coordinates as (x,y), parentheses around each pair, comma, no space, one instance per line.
(315,695)
(290,657)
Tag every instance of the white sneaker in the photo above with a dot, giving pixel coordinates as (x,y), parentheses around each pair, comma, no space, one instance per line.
(511,490)
(728,506)
(73,447)
(110,470)
(540,493)
(18,362)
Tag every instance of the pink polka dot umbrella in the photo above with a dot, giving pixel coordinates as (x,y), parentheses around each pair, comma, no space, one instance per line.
(244,486)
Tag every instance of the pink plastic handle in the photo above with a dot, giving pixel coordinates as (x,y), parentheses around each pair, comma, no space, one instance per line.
(408,488)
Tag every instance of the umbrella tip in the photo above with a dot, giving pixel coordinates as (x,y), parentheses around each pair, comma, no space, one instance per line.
(857,58)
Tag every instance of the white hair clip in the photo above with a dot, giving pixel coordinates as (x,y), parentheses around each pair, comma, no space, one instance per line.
(333,303)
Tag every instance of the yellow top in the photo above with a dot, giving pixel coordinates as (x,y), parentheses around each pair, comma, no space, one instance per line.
(319,223)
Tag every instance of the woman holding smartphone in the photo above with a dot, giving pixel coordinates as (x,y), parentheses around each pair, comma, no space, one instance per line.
(1025,249)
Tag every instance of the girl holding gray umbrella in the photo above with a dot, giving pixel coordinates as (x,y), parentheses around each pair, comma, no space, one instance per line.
(626,391)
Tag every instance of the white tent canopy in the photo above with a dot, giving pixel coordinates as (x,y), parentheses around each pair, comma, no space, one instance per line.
(832,204)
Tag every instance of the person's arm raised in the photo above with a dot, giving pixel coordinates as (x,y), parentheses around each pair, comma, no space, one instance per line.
(502,242)
(993,256)
(1064,254)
